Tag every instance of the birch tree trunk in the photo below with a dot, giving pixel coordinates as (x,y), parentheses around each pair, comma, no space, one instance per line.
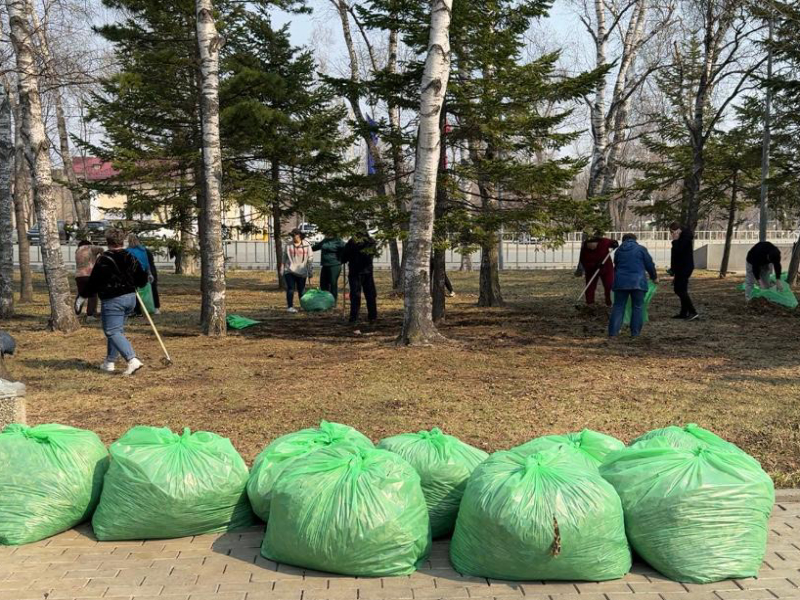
(397,163)
(418,327)
(36,147)
(22,190)
(598,108)
(209,43)
(6,208)
(80,199)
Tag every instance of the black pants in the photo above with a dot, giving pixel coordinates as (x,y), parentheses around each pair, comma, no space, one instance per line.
(293,281)
(91,305)
(365,282)
(680,284)
(447,285)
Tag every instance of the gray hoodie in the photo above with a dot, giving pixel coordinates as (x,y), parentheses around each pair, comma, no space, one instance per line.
(298,260)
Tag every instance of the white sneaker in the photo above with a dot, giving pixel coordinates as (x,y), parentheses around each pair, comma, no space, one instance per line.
(291,309)
(451,294)
(134,365)
(157,311)
(108,367)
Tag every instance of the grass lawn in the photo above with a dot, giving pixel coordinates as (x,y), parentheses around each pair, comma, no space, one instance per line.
(535,367)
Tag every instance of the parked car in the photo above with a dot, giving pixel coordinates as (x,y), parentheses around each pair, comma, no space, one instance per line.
(311,232)
(96,231)
(63,234)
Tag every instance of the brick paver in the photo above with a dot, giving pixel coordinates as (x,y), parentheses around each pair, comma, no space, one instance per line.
(74,566)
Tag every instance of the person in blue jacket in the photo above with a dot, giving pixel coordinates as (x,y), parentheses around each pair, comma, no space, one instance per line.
(632,265)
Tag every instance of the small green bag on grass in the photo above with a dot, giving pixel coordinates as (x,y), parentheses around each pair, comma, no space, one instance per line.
(688,437)
(591,446)
(50,480)
(540,516)
(694,514)
(239,322)
(350,510)
(278,455)
(316,300)
(444,464)
(164,485)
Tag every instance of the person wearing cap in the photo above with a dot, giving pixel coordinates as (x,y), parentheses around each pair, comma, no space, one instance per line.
(297,267)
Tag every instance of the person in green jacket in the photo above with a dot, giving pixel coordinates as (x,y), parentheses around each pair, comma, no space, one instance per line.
(331,248)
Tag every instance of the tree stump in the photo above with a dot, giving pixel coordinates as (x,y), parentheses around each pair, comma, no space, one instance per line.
(12,403)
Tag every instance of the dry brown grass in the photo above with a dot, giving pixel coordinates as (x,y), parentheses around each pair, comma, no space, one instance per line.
(537,366)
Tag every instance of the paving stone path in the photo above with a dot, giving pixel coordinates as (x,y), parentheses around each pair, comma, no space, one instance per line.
(74,566)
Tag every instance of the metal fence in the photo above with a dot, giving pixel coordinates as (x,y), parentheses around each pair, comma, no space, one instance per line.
(516,253)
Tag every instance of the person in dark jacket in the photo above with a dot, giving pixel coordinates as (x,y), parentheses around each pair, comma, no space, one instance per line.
(632,265)
(330,248)
(763,260)
(115,277)
(358,254)
(681,268)
(595,257)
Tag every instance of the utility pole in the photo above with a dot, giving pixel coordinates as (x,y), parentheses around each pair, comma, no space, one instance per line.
(763,217)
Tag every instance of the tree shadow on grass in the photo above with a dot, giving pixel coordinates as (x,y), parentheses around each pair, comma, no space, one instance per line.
(64,364)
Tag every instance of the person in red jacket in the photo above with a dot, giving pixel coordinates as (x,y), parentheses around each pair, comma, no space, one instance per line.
(594,251)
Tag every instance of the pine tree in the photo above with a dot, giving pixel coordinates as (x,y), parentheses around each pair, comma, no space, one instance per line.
(281,129)
(507,117)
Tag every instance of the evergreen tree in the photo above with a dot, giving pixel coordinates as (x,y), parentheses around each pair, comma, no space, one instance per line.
(281,129)
(508,118)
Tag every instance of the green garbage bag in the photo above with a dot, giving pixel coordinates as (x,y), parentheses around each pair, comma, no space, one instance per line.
(238,322)
(350,510)
(164,485)
(688,437)
(444,464)
(540,516)
(772,279)
(591,447)
(784,298)
(695,515)
(146,296)
(281,452)
(50,480)
(651,291)
(316,300)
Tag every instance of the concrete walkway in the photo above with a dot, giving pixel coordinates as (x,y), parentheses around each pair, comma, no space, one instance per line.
(73,566)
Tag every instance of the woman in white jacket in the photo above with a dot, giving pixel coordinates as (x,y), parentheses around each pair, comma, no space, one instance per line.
(298,266)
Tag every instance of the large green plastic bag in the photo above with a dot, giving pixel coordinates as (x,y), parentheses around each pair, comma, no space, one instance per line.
(50,480)
(591,447)
(316,300)
(164,485)
(281,452)
(350,510)
(695,515)
(688,437)
(540,516)
(785,298)
(444,464)
(651,291)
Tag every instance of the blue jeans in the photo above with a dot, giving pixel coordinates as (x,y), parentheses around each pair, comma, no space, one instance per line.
(294,281)
(113,313)
(618,312)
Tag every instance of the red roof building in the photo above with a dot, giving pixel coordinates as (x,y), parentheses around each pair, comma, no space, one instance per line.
(93,169)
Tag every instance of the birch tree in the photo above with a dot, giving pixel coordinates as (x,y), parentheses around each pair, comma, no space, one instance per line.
(635,23)
(80,199)
(6,207)
(418,327)
(209,43)
(22,192)
(36,149)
